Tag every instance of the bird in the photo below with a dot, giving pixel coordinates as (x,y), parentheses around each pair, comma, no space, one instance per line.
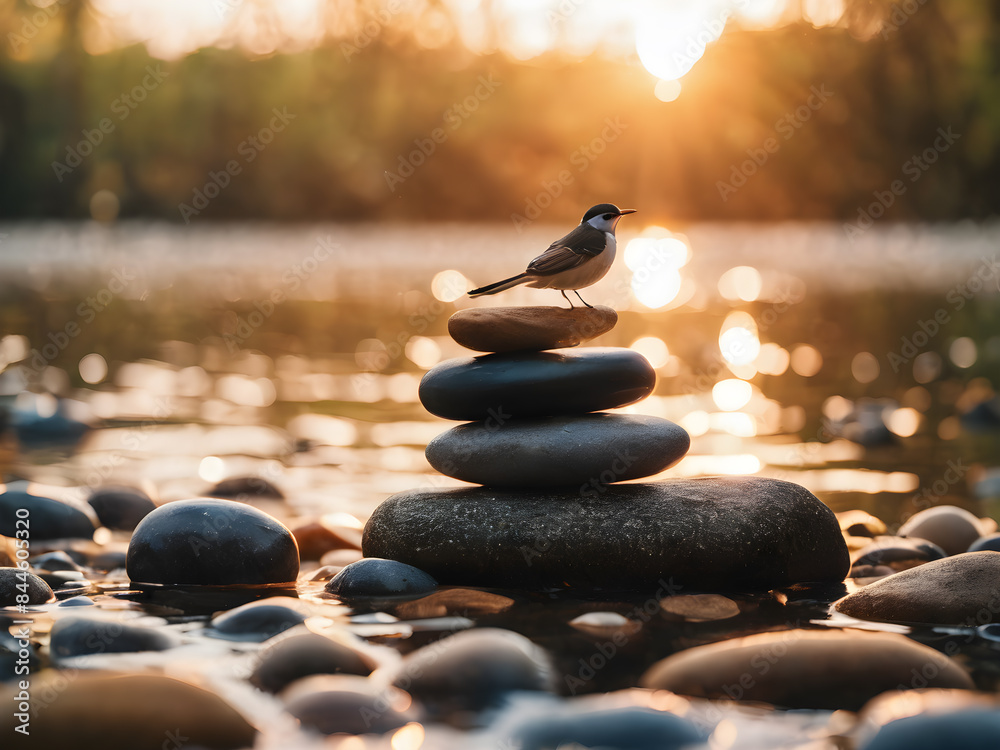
(573,262)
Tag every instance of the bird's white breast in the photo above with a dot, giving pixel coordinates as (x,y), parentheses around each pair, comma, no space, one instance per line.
(590,272)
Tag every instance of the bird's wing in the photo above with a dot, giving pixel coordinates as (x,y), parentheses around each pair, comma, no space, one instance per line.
(575,248)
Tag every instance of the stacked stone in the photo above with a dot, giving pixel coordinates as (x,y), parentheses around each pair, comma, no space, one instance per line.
(549,457)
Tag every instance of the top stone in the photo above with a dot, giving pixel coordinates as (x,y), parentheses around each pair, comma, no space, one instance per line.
(513,329)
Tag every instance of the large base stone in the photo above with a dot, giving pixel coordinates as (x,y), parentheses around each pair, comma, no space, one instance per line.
(719,533)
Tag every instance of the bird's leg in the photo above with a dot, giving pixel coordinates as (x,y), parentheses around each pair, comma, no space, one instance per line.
(581,299)
(563,293)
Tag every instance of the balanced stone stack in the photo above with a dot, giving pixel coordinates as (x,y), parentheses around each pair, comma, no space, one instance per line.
(549,457)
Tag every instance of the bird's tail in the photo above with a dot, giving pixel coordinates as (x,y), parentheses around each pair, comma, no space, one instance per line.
(521,278)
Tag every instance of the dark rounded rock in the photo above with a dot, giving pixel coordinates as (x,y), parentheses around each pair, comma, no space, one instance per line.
(512,329)
(376,577)
(720,533)
(805,669)
(109,560)
(989,543)
(950,527)
(79,636)
(121,508)
(48,518)
(972,729)
(211,543)
(258,621)
(52,562)
(299,656)
(341,704)
(501,387)
(77,601)
(630,728)
(128,712)
(952,591)
(593,450)
(38,591)
(889,551)
(244,488)
(14,656)
(474,670)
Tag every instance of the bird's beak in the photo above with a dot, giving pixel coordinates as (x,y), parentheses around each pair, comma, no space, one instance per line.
(624,211)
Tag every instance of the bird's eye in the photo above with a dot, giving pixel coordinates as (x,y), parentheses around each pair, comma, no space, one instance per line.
(608,217)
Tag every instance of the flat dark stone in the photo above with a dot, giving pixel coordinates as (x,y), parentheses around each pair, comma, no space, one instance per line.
(969,729)
(257,621)
(208,542)
(79,636)
(373,577)
(501,387)
(47,519)
(592,450)
(717,533)
(308,654)
(629,728)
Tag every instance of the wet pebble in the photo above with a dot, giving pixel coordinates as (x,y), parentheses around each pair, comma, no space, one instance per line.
(510,329)
(109,560)
(952,591)
(375,577)
(699,607)
(258,621)
(473,670)
(128,712)
(630,728)
(805,668)
(244,488)
(895,554)
(971,729)
(523,385)
(342,704)
(211,543)
(48,518)
(121,508)
(452,601)
(79,636)
(986,543)
(14,581)
(52,562)
(952,528)
(316,538)
(299,656)
(591,450)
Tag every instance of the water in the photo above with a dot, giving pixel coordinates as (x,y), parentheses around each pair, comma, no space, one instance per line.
(294,354)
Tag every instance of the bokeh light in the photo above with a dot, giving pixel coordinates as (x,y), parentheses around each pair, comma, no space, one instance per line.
(93,368)
(963,352)
(738,340)
(806,360)
(422,351)
(926,367)
(903,422)
(732,394)
(865,367)
(667,91)
(772,360)
(212,469)
(653,349)
(741,283)
(450,285)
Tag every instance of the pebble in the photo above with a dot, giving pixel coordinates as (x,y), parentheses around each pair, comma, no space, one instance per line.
(953,529)
(316,538)
(699,607)
(986,543)
(897,553)
(719,533)
(121,508)
(127,712)
(971,729)
(952,591)
(244,488)
(207,542)
(473,670)
(298,656)
(79,636)
(453,601)
(344,704)
(54,561)
(592,450)
(812,669)
(629,728)
(48,518)
(258,621)
(510,329)
(38,590)
(860,523)
(501,387)
(377,577)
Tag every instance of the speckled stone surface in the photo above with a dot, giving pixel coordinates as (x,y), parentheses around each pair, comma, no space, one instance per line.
(501,387)
(716,533)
